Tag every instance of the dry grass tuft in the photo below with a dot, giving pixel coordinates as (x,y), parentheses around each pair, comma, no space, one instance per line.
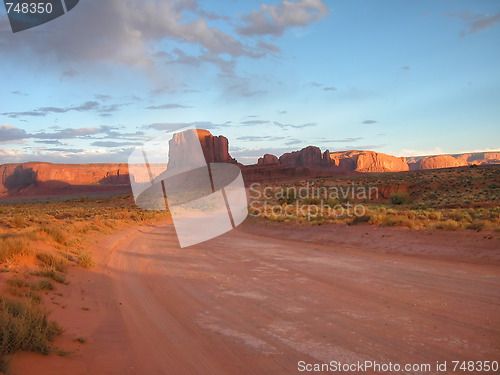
(25,326)
(85,260)
(11,246)
(53,260)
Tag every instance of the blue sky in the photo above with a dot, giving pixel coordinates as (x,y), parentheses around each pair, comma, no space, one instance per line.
(399,77)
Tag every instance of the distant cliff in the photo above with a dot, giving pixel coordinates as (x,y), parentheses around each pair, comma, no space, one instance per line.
(15,177)
(455,160)
(370,161)
(35,177)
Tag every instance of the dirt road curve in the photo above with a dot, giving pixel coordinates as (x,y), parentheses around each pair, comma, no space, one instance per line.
(251,302)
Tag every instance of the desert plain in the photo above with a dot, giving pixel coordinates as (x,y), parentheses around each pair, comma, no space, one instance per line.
(412,281)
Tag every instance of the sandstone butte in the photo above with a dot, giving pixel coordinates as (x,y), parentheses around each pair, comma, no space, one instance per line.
(305,162)
(440,161)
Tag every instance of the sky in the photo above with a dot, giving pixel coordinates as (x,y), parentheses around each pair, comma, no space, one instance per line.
(399,77)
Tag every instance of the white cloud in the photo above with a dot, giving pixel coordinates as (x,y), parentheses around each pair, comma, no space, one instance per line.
(476,22)
(122,31)
(275,19)
(65,156)
(11,133)
(9,156)
(410,152)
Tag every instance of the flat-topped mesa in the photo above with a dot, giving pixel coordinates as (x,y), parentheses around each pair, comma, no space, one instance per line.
(369,161)
(14,177)
(452,161)
(440,161)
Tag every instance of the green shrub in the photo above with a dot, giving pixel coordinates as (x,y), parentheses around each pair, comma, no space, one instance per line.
(400,198)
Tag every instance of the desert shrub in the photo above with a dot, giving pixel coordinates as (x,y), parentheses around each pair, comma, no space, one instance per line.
(332,202)
(377,218)
(110,223)
(56,233)
(459,215)
(276,217)
(54,261)
(448,225)
(42,285)
(434,215)
(25,326)
(18,222)
(85,260)
(400,198)
(433,196)
(360,219)
(11,246)
(51,273)
(288,197)
(31,235)
(476,225)
(391,221)
(17,283)
(122,214)
(318,220)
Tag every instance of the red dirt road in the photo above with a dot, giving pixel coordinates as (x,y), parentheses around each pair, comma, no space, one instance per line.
(262,298)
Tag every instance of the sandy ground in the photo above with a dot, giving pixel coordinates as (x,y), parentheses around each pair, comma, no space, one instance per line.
(261,298)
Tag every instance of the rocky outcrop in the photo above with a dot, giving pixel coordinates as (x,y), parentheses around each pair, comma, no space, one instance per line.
(215,148)
(307,157)
(369,161)
(327,161)
(268,159)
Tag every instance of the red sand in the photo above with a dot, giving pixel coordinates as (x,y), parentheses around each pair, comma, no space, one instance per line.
(263,297)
